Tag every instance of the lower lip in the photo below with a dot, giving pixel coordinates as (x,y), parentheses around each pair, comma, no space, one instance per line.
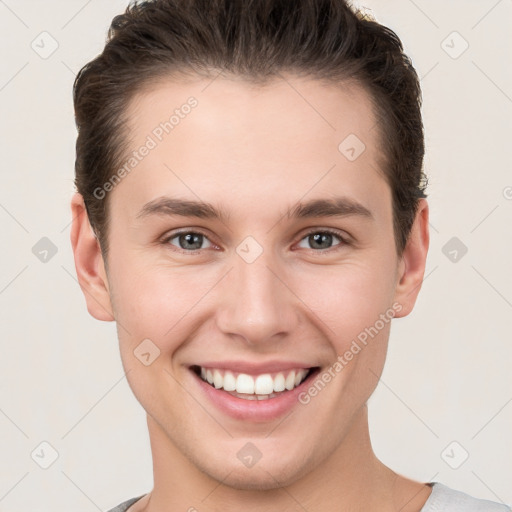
(253,410)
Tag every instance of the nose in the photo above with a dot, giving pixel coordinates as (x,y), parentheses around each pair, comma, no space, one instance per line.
(257,306)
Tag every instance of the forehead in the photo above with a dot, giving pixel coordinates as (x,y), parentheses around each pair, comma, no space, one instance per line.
(225,138)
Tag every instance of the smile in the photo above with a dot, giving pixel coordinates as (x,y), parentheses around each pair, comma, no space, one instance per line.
(251,392)
(253,387)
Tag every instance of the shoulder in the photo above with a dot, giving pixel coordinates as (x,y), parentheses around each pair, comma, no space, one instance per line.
(445,499)
(123,507)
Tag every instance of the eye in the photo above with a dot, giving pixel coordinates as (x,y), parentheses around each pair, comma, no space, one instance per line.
(188,241)
(321,239)
(192,241)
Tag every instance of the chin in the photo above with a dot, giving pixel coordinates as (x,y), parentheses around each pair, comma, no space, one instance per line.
(261,477)
(255,480)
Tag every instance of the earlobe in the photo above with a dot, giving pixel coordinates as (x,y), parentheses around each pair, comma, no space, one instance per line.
(89,265)
(411,269)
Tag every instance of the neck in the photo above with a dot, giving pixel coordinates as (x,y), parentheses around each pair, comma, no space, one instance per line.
(350,478)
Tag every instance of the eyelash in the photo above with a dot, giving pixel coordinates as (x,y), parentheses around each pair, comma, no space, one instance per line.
(343,239)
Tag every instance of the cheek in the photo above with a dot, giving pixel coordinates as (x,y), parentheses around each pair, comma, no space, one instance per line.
(157,302)
(154,304)
(346,298)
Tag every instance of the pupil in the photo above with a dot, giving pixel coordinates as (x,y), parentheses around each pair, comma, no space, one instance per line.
(195,239)
(190,237)
(318,238)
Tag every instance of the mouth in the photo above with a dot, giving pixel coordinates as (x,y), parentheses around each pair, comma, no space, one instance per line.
(263,386)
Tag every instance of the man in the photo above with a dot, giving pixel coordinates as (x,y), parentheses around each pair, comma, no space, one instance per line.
(251,213)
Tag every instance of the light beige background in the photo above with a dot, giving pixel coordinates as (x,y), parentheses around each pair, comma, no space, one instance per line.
(448,372)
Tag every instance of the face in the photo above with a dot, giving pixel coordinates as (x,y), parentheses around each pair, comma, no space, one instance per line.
(262,280)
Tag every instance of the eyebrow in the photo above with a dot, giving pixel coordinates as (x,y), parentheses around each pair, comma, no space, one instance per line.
(335,207)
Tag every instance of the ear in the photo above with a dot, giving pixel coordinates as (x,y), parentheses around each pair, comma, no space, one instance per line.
(89,265)
(411,267)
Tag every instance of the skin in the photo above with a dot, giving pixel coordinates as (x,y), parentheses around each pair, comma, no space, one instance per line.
(255,152)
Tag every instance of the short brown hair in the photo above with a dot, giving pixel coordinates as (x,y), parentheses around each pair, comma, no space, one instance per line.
(256,40)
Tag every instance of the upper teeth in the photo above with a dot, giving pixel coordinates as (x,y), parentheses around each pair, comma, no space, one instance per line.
(263,384)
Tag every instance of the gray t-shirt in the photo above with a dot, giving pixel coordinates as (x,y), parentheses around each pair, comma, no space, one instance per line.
(442,499)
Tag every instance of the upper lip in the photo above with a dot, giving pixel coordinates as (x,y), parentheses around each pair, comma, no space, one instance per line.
(249,367)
